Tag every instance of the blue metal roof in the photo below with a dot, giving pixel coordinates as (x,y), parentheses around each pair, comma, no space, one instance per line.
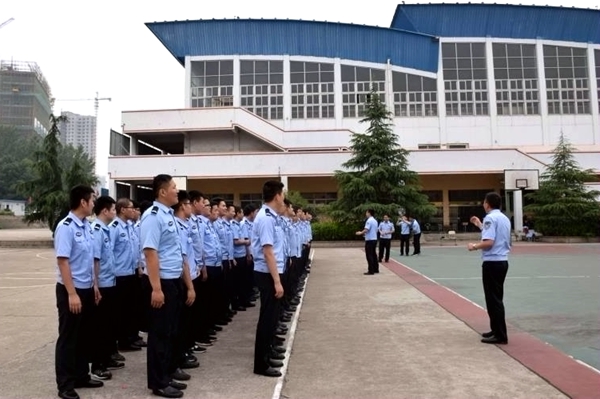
(292,37)
(502,21)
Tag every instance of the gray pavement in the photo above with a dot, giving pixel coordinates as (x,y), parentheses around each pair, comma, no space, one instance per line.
(357,337)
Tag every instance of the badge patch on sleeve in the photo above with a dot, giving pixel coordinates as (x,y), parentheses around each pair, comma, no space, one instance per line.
(487,224)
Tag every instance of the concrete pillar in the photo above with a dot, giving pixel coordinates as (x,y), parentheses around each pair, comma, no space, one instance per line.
(518,210)
(112,188)
(132,191)
(284,180)
(446,207)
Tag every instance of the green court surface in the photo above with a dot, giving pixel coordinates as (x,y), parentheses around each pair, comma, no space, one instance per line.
(551,291)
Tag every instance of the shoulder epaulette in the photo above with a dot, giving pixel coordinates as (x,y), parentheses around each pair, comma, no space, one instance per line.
(154,210)
(67,221)
(97,227)
(268,212)
(115,223)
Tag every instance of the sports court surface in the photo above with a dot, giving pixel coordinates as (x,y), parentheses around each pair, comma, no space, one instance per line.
(552,291)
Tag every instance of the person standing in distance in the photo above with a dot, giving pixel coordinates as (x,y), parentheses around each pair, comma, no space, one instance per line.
(370,233)
(74,247)
(495,246)
(269,261)
(164,268)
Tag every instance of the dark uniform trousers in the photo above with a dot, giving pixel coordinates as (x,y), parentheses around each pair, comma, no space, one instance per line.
(228,283)
(417,243)
(295,274)
(74,339)
(494,274)
(249,283)
(196,325)
(371,255)
(404,244)
(267,320)
(162,332)
(384,249)
(129,310)
(216,301)
(239,276)
(104,331)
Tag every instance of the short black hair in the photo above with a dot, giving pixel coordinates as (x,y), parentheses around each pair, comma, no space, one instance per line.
(287,202)
(371,212)
(102,203)
(248,209)
(271,189)
(494,200)
(144,206)
(195,195)
(238,209)
(79,193)
(122,203)
(297,208)
(159,182)
(182,196)
(216,201)
(135,204)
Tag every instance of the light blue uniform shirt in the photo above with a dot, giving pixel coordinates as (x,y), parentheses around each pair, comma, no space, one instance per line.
(229,239)
(135,241)
(122,233)
(295,240)
(103,252)
(267,231)
(496,226)
(197,239)
(404,227)
(303,229)
(286,225)
(222,230)
(73,240)
(309,231)
(388,230)
(187,245)
(371,226)
(159,232)
(416,227)
(240,232)
(212,245)
(248,225)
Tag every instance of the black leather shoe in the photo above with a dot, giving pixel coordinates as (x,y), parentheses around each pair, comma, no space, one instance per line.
(89,384)
(488,334)
(198,349)
(178,385)
(249,305)
(190,364)
(277,356)
(368,274)
(117,357)
(279,349)
(270,372)
(494,340)
(275,363)
(168,392)
(180,375)
(281,331)
(71,394)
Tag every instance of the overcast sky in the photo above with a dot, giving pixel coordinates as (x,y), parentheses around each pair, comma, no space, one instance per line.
(86,46)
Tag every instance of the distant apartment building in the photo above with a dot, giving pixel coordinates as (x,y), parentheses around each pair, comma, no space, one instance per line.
(25,97)
(79,130)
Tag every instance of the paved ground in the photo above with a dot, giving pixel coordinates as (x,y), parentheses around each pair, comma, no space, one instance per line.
(552,290)
(357,337)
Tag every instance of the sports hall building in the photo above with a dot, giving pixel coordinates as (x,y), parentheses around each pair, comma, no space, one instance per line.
(475,90)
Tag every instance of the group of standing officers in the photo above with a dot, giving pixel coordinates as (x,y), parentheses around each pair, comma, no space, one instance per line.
(179,268)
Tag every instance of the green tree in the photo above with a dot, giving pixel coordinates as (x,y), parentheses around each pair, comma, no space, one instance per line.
(16,154)
(296,198)
(563,206)
(56,169)
(377,175)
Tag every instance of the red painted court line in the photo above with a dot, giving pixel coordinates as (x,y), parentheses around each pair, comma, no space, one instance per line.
(566,374)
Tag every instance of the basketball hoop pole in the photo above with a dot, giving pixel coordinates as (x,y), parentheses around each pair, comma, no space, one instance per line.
(518,209)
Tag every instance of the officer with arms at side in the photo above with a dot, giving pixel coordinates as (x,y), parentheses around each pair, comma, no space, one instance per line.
(495,246)
(163,286)
(268,252)
(74,247)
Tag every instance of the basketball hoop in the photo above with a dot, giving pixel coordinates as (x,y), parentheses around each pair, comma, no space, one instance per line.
(521,183)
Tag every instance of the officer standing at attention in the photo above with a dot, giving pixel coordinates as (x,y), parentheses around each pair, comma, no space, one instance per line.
(495,245)
(386,229)
(74,247)
(164,267)
(268,252)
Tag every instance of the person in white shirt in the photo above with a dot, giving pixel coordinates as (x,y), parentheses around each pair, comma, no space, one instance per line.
(386,230)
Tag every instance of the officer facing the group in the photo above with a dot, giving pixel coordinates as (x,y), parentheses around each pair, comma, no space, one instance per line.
(164,267)
(269,261)
(495,246)
(74,247)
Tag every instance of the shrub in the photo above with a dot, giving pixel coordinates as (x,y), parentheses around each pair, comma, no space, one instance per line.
(332,231)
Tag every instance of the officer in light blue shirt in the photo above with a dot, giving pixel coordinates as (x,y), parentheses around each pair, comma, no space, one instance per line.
(105,290)
(495,245)
(163,284)
(386,229)
(404,225)
(74,248)
(241,242)
(370,233)
(248,269)
(269,258)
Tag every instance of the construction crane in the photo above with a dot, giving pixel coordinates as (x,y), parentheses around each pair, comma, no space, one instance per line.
(96,101)
(8,21)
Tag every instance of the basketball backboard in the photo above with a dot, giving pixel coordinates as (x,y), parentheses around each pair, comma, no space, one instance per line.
(521,179)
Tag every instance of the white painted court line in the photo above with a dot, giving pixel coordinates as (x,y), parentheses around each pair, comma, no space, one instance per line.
(515,277)
(290,340)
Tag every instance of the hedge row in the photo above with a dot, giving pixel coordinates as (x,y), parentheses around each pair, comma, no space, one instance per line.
(332,231)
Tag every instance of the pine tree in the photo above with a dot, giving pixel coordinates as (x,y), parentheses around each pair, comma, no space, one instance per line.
(49,190)
(563,206)
(377,176)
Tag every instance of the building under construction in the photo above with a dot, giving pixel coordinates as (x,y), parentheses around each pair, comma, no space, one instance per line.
(25,97)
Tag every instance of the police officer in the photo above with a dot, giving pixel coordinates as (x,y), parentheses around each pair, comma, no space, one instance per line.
(269,262)
(164,267)
(241,241)
(495,246)
(248,275)
(105,336)
(386,229)
(74,247)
